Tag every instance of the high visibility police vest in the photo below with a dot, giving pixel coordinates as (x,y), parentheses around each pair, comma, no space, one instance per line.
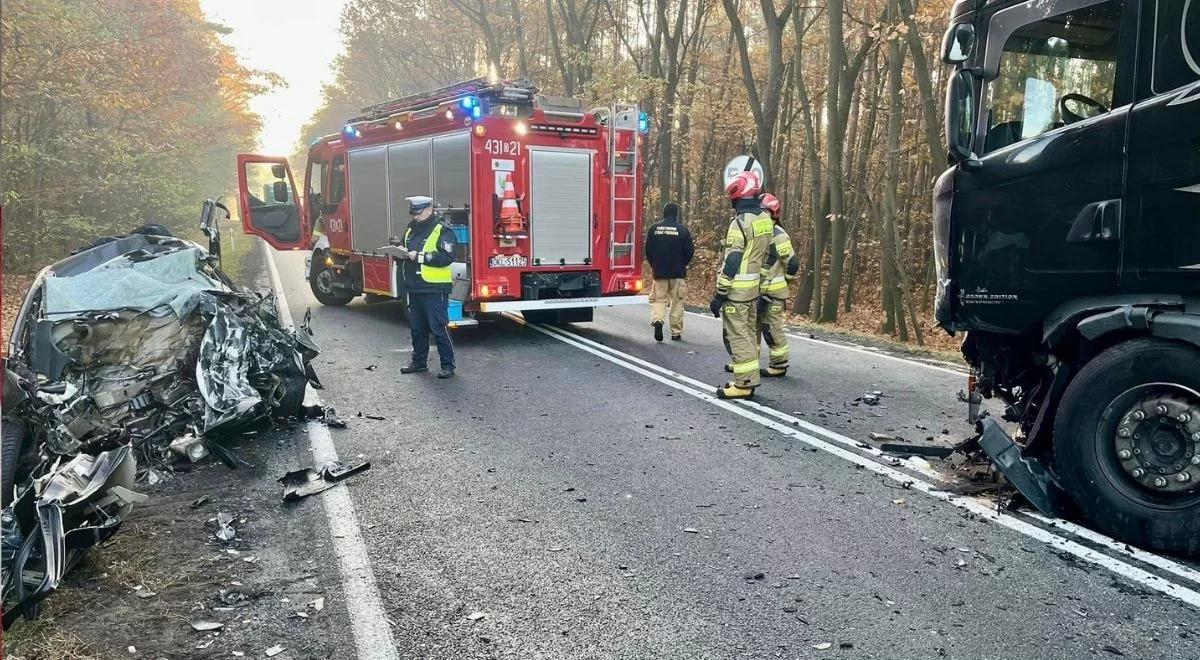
(432,274)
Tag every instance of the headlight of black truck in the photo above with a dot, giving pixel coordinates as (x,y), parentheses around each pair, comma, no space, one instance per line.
(943,198)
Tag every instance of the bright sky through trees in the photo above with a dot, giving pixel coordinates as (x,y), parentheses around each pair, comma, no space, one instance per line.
(296,39)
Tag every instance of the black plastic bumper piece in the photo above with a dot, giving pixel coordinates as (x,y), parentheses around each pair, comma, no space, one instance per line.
(543,286)
(1027,474)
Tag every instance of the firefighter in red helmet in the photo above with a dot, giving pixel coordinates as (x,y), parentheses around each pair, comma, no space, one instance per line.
(736,301)
(779,271)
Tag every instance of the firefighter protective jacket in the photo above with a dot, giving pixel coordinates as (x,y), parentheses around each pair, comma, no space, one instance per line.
(669,249)
(746,245)
(434,244)
(781,266)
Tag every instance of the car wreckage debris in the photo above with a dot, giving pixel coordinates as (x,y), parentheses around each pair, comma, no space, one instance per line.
(299,484)
(137,349)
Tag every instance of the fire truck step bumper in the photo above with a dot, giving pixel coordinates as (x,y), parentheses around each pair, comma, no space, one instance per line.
(562,303)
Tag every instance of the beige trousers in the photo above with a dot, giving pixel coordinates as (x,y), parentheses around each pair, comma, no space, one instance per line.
(667,295)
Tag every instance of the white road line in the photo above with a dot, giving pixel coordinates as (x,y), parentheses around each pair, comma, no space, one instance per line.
(976,506)
(953,371)
(371,628)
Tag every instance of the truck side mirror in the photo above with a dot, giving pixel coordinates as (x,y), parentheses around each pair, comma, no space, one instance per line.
(958,44)
(960,116)
(278,171)
(279,190)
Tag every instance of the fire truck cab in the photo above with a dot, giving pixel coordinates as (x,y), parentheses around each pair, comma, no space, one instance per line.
(544,197)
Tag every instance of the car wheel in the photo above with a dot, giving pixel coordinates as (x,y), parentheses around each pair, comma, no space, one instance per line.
(322,284)
(12,437)
(1127,444)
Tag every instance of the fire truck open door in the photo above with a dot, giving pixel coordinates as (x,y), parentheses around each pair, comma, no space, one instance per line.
(267,202)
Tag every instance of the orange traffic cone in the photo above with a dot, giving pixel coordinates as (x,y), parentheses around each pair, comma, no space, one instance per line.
(511,222)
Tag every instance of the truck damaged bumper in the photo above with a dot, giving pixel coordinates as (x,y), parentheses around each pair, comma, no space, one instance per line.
(1029,475)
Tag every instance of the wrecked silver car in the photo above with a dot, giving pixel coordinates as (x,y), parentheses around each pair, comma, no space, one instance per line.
(138,349)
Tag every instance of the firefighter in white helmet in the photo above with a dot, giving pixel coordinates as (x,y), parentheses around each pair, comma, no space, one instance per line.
(736,301)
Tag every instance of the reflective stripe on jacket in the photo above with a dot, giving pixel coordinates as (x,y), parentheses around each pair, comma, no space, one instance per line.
(747,242)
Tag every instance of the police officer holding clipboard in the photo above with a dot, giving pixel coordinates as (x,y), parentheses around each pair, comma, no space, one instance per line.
(426,252)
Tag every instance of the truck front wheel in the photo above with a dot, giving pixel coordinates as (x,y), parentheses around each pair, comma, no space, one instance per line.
(1127,444)
(323,282)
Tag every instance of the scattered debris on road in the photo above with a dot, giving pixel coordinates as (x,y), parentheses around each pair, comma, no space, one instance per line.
(299,484)
(225,530)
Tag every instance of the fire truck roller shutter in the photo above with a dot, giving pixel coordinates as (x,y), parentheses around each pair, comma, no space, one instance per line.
(408,175)
(368,198)
(452,171)
(561,211)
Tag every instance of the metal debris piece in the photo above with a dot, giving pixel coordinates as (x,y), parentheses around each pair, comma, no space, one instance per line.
(691,530)
(225,530)
(1027,474)
(190,446)
(318,604)
(206,626)
(326,414)
(273,651)
(199,501)
(299,484)
(475,616)
(77,504)
(905,450)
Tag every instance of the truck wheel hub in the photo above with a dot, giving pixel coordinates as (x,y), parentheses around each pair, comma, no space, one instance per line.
(1157,441)
(325,281)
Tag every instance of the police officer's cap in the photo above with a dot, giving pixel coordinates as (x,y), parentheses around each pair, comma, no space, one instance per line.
(418,203)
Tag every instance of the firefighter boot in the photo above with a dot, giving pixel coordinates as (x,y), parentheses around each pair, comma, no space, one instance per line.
(731,390)
(658,334)
(413,368)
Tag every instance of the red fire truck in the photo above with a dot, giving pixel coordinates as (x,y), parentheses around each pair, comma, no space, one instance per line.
(544,196)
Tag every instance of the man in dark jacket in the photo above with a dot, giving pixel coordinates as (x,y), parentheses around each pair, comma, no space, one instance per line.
(426,254)
(669,250)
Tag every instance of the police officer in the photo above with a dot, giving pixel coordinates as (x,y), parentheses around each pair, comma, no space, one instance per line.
(780,270)
(736,301)
(669,250)
(427,251)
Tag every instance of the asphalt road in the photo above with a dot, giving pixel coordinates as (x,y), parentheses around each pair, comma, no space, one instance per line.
(578,495)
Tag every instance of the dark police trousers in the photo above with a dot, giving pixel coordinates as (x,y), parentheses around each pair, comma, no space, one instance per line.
(427,312)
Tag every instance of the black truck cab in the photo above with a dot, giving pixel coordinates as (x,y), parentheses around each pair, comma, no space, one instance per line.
(1067,245)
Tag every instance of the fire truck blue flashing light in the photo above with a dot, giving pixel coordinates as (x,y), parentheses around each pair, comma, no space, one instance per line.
(350,131)
(472,104)
(643,123)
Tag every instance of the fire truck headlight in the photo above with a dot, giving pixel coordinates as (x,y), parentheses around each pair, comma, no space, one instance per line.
(328,262)
(449,114)
(480,131)
(520,128)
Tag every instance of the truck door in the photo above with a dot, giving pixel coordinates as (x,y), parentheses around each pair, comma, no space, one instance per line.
(1164,151)
(267,202)
(1041,210)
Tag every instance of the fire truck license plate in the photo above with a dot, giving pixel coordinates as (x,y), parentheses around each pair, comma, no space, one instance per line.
(508,261)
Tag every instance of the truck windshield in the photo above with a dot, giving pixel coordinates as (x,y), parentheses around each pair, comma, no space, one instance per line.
(1055,72)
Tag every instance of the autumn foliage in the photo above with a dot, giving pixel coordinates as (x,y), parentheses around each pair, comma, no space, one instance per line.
(113,113)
